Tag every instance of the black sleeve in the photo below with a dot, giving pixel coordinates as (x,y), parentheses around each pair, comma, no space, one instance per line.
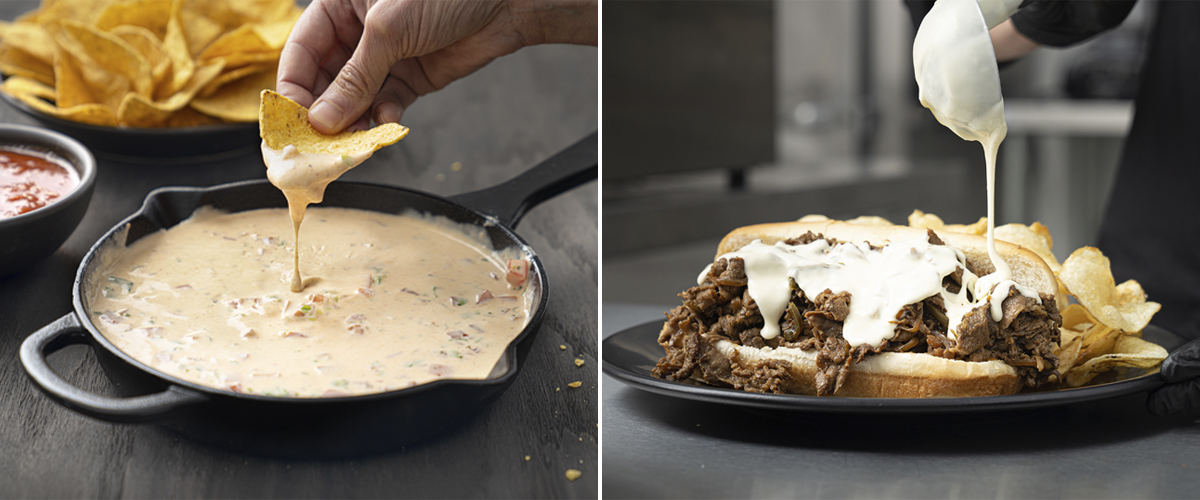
(917,10)
(1059,23)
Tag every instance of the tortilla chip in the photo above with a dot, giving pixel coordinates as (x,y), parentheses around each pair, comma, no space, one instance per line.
(233,75)
(33,39)
(236,101)
(138,111)
(149,46)
(17,62)
(151,15)
(175,44)
(92,114)
(282,122)
(107,54)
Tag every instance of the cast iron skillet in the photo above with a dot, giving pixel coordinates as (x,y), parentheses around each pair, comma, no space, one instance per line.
(318,426)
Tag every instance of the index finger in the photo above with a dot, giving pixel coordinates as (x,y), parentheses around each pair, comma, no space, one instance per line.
(312,37)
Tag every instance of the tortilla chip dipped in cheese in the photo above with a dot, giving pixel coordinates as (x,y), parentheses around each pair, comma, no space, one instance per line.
(301,161)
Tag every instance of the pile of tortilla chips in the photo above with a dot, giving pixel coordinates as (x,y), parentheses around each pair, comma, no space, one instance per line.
(146,63)
(1103,330)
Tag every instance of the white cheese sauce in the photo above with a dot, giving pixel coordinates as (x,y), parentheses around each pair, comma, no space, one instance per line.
(404,300)
(956,72)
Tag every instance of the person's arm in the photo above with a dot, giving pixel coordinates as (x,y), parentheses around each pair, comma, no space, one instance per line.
(1009,43)
(1054,23)
(351,61)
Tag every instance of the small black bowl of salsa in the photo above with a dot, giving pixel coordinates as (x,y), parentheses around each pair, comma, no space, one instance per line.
(46,182)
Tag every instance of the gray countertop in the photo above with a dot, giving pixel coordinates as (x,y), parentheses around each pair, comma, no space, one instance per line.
(657,446)
(497,122)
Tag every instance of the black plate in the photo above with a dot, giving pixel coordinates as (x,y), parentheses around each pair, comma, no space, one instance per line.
(201,143)
(630,354)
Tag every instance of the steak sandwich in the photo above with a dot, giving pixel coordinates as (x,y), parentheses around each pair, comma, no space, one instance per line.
(832,308)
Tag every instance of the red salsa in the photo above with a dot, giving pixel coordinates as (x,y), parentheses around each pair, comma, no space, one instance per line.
(29,182)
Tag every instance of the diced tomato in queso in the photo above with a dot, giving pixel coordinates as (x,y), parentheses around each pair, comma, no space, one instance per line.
(518,272)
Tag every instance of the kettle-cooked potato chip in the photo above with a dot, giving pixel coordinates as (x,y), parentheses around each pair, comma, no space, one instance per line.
(1087,275)
(1128,352)
(282,122)
(930,221)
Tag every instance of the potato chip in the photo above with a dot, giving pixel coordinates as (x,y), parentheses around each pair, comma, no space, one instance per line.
(1026,237)
(931,221)
(1128,352)
(284,123)
(870,220)
(1098,339)
(1070,343)
(235,101)
(1088,277)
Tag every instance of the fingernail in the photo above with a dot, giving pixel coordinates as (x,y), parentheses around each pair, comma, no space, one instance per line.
(326,114)
(387,112)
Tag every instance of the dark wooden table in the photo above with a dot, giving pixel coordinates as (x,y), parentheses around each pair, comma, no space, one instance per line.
(496,123)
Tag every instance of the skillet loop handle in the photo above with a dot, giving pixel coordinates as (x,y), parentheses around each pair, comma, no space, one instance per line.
(565,170)
(66,331)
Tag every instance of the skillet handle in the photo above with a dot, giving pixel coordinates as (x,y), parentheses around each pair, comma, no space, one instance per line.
(66,331)
(565,170)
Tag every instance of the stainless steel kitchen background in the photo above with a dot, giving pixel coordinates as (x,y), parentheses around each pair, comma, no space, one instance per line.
(719,114)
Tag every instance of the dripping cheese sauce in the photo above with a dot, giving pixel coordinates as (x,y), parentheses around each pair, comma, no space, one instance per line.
(403,300)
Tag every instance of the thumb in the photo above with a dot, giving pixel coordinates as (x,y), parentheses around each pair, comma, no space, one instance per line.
(354,88)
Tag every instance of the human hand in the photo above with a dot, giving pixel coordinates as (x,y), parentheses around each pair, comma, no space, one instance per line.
(351,61)
(1181,370)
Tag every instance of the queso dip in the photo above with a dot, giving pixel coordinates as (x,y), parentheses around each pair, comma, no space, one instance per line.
(401,300)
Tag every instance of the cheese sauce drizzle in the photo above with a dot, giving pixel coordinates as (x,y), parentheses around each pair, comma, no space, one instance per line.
(959,82)
(303,177)
(880,282)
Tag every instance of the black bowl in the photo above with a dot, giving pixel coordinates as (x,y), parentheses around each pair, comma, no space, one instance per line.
(158,145)
(30,237)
